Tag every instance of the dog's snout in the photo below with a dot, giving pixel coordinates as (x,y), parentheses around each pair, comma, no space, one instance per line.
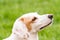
(50,16)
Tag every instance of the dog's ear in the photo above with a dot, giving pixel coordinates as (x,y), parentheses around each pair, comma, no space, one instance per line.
(27,21)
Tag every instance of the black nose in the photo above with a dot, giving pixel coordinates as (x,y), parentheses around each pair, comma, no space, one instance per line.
(50,16)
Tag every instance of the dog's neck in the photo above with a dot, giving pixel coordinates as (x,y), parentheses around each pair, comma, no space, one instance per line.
(33,36)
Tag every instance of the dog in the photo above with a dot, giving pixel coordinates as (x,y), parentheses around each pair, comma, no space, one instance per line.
(27,26)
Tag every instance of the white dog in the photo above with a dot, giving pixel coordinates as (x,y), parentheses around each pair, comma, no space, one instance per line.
(27,26)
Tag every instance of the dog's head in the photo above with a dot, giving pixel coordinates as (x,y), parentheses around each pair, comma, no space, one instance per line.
(36,22)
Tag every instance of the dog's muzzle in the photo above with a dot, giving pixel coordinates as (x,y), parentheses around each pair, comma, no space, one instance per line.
(50,16)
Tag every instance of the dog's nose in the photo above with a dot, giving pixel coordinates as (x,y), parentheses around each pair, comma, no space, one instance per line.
(50,16)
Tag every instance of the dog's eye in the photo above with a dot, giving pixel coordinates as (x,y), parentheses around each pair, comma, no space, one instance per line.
(34,18)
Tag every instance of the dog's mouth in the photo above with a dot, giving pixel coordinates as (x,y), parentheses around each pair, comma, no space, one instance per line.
(45,25)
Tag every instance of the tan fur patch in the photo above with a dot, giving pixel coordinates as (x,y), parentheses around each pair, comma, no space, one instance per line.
(27,21)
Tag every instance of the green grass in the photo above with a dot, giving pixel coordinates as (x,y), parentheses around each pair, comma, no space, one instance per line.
(12,9)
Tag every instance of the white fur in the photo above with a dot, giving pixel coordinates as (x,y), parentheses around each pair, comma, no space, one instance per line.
(22,33)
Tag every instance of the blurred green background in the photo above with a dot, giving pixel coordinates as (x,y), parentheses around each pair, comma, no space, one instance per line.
(12,9)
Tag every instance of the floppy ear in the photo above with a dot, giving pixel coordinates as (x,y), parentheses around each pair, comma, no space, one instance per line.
(27,22)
